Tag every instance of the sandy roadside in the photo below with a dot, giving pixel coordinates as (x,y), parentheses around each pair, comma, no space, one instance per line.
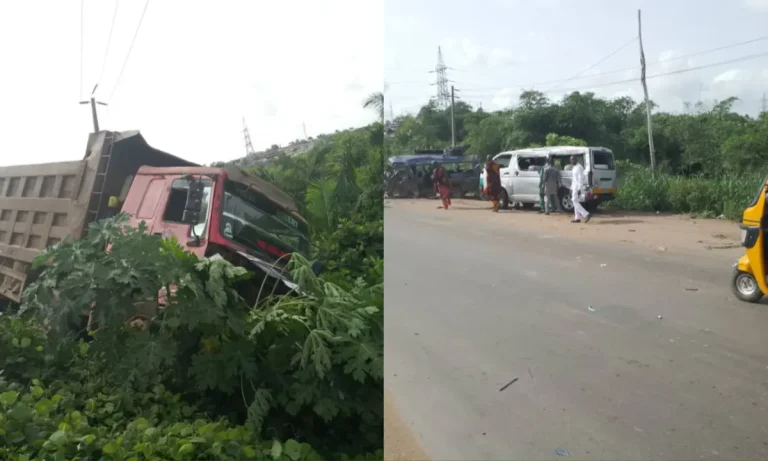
(400,443)
(651,231)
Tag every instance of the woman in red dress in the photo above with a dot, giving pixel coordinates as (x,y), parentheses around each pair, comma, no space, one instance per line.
(492,182)
(443,183)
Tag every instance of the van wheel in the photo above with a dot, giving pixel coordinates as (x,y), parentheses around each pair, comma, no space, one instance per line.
(504,200)
(745,287)
(566,204)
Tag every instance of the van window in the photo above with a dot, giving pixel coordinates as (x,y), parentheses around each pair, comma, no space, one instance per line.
(503,160)
(533,163)
(602,160)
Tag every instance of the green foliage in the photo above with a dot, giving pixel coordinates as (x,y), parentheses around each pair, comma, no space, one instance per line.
(211,378)
(726,195)
(709,141)
(554,139)
(338,186)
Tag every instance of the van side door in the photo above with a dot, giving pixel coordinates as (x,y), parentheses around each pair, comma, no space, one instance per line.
(526,179)
(505,172)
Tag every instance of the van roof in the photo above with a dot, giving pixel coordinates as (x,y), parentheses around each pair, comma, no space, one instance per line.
(544,151)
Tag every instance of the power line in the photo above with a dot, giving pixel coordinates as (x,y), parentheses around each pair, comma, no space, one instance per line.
(663,74)
(82,36)
(612,54)
(690,69)
(109,41)
(615,71)
(130,49)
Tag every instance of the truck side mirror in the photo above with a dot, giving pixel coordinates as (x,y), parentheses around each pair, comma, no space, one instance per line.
(194,203)
(317,267)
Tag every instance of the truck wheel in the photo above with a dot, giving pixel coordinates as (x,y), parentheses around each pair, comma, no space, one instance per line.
(566,204)
(745,287)
(504,200)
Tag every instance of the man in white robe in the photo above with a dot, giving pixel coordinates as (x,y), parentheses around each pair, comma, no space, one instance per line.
(578,183)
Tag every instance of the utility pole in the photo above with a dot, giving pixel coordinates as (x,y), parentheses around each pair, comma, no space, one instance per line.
(93,103)
(645,91)
(453,120)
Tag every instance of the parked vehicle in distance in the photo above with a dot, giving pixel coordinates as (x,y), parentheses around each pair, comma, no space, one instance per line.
(211,211)
(519,171)
(411,175)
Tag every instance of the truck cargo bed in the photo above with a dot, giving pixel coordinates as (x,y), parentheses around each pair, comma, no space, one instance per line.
(42,204)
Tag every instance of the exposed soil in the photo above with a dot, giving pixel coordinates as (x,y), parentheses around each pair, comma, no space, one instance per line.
(400,443)
(652,231)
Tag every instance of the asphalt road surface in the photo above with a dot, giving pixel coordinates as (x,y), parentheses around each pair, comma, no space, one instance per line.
(472,307)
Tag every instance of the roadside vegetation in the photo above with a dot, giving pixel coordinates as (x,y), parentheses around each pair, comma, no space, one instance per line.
(710,159)
(212,378)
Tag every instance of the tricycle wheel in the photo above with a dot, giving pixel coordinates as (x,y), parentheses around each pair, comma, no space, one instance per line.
(745,287)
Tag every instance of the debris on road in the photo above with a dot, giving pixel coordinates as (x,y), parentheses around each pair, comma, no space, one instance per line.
(662,248)
(530,372)
(561,452)
(691,289)
(631,230)
(508,384)
(603,265)
(659,317)
(591,309)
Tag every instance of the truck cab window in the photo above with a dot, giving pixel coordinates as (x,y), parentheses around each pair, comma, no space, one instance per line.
(177,199)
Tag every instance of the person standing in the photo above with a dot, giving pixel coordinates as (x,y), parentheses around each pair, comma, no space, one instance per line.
(443,183)
(492,182)
(551,186)
(578,183)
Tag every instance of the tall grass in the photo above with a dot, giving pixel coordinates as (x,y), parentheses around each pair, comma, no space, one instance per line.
(725,196)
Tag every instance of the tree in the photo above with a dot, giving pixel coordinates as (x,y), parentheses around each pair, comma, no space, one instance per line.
(375,101)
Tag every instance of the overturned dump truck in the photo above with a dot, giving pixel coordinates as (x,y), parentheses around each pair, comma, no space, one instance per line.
(211,211)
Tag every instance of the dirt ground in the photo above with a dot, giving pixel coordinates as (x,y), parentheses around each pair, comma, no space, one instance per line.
(647,231)
(651,231)
(400,443)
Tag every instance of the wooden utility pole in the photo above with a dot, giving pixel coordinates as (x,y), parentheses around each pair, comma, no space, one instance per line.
(645,91)
(93,103)
(453,121)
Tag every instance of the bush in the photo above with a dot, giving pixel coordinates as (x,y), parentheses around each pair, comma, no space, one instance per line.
(211,378)
(727,195)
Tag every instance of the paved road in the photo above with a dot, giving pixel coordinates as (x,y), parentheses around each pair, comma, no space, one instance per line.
(470,308)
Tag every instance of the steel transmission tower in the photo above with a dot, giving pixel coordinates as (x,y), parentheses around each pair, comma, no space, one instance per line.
(247,137)
(443,95)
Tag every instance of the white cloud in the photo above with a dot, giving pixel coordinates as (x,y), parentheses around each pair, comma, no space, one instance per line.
(505,98)
(757,5)
(194,72)
(467,54)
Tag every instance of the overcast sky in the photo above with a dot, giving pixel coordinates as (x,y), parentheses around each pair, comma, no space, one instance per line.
(196,69)
(498,47)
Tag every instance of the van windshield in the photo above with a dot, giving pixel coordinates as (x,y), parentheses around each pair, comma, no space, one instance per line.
(251,220)
(602,160)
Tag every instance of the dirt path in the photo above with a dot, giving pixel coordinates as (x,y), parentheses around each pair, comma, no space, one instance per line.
(400,443)
(651,231)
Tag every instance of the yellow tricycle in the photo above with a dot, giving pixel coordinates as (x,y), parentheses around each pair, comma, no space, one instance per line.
(749,272)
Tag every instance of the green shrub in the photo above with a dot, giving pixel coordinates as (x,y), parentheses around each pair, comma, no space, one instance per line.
(307,368)
(727,195)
